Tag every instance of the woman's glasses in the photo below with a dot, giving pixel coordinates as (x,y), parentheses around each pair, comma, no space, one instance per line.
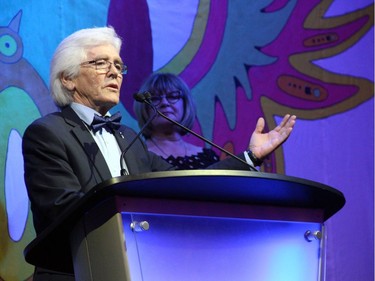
(172,97)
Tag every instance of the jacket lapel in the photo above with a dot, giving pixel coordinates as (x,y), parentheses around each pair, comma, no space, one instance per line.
(84,137)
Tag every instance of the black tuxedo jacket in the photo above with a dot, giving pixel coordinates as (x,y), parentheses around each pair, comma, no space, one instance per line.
(63,162)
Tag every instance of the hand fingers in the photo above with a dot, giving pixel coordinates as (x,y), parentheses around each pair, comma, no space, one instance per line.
(288,126)
(260,125)
(291,121)
(288,121)
(285,120)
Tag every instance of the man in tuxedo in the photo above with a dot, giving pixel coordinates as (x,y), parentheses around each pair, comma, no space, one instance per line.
(67,153)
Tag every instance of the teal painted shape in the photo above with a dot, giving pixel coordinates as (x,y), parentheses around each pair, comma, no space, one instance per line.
(17,112)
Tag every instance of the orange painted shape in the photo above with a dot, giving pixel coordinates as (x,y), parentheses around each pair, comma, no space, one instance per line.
(301,88)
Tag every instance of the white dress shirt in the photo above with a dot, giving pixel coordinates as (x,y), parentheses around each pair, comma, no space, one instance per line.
(105,140)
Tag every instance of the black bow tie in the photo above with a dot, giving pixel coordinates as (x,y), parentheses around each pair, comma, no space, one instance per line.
(111,122)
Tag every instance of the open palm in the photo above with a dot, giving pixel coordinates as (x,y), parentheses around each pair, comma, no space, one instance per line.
(262,144)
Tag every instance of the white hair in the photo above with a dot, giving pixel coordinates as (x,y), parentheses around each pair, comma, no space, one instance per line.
(71,52)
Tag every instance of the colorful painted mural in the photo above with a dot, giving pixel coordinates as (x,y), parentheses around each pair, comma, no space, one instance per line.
(242,59)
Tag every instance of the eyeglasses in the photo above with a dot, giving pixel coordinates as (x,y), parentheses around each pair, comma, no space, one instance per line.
(103,66)
(171,97)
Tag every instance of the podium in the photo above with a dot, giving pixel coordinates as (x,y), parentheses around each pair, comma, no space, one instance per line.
(192,225)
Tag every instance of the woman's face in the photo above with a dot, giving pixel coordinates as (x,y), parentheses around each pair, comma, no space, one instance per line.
(171,104)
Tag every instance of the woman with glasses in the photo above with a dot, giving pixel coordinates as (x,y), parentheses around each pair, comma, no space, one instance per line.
(172,97)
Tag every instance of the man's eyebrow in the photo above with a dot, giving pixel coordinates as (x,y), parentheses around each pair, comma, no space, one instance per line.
(105,57)
(101,57)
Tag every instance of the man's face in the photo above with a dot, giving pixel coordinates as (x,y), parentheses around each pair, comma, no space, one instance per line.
(99,89)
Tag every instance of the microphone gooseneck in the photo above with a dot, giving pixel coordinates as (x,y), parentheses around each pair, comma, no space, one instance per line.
(140,98)
(144,97)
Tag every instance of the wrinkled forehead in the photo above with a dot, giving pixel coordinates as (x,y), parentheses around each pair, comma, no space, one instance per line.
(106,51)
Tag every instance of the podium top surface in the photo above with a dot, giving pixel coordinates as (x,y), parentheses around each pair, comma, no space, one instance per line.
(219,186)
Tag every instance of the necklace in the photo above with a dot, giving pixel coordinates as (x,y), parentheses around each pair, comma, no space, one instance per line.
(163,152)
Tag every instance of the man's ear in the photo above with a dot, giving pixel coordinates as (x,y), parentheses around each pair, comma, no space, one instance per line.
(67,82)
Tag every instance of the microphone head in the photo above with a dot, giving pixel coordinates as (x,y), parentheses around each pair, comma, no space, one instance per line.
(147,95)
(139,97)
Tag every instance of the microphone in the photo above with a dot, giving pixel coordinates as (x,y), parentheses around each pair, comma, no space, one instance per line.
(144,97)
(140,98)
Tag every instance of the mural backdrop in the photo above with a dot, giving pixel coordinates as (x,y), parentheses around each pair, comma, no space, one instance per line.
(242,59)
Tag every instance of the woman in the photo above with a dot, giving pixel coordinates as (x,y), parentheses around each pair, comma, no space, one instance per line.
(172,97)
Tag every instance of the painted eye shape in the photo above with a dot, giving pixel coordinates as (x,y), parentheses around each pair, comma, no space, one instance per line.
(8,45)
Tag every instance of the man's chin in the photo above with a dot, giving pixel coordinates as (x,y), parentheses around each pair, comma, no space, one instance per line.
(113,99)
(110,103)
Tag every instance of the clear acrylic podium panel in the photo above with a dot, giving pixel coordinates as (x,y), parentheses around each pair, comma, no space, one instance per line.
(187,248)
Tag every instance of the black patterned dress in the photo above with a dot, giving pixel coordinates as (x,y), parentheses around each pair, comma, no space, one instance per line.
(197,161)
